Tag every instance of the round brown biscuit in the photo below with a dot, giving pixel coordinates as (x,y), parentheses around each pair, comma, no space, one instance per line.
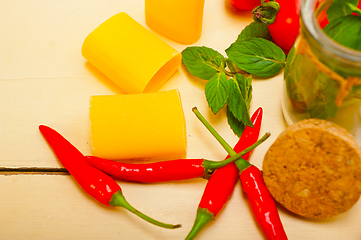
(314,169)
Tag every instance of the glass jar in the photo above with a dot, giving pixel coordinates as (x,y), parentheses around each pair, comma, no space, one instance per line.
(322,79)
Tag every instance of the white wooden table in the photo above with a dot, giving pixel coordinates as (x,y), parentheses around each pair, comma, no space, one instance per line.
(45,80)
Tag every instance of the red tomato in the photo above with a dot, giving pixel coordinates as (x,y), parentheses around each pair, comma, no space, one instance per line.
(245,5)
(285,28)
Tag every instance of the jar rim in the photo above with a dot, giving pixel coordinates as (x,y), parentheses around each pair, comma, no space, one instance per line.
(311,24)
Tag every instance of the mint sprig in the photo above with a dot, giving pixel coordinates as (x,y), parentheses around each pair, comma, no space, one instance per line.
(230,78)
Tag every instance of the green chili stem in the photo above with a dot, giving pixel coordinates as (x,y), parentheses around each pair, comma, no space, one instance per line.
(211,165)
(242,165)
(118,200)
(267,12)
(224,144)
(204,216)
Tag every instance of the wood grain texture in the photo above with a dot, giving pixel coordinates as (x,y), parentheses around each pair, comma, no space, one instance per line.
(53,207)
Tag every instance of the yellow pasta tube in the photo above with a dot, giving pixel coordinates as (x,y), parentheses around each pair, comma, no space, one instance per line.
(130,55)
(132,126)
(180,20)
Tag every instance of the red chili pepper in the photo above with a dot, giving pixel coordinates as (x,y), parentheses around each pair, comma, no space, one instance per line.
(222,182)
(96,183)
(152,172)
(172,170)
(261,201)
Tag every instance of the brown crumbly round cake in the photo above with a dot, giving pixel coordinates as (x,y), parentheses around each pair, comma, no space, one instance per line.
(314,169)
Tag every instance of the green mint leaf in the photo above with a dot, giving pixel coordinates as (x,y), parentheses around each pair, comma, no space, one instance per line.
(217,90)
(324,106)
(240,95)
(340,8)
(202,62)
(236,125)
(346,31)
(257,56)
(354,8)
(255,30)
